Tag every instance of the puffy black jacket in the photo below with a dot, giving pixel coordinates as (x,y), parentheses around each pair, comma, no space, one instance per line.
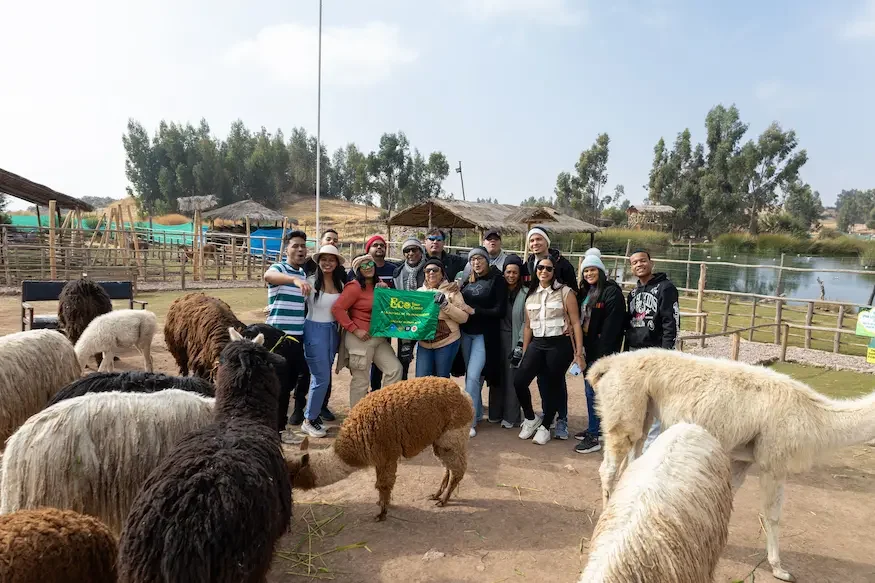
(654,314)
(607,323)
(486,295)
(565,272)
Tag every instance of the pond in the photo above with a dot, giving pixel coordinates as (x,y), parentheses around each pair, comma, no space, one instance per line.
(845,287)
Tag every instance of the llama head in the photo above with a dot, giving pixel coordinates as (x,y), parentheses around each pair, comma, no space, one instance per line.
(238,337)
(298,464)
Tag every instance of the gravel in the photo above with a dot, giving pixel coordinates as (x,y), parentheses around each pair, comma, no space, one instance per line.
(759,352)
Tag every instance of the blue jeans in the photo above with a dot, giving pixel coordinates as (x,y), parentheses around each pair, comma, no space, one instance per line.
(654,432)
(474,352)
(320,347)
(436,361)
(595,424)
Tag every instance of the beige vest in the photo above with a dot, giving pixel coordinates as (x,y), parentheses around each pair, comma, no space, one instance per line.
(546,310)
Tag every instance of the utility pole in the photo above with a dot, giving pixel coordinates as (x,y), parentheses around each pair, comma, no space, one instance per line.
(319,123)
(462,178)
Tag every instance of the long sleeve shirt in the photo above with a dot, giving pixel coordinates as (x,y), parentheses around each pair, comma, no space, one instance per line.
(353,308)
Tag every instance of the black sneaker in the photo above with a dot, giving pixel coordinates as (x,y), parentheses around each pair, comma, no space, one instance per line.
(580,436)
(327,415)
(588,444)
(297,417)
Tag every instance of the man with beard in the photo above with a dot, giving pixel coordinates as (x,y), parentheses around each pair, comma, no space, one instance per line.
(434,247)
(286,288)
(654,314)
(539,246)
(497,256)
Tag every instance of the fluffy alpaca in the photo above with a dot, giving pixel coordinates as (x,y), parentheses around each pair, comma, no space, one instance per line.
(134,381)
(399,420)
(55,546)
(80,301)
(35,365)
(214,508)
(758,415)
(92,454)
(669,516)
(280,343)
(115,331)
(196,331)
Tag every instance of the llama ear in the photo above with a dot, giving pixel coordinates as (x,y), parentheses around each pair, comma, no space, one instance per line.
(305,445)
(235,335)
(259,339)
(305,461)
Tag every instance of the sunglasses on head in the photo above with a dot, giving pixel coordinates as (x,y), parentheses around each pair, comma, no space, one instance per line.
(547,268)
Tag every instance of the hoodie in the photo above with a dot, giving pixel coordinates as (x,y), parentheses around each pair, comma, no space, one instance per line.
(654,314)
(565,272)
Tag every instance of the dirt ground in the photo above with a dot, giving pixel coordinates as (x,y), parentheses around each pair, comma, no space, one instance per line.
(525,512)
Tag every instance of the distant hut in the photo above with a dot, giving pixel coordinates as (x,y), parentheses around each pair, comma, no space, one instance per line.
(652,217)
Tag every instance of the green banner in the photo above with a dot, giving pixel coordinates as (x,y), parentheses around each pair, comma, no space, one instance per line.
(866,323)
(410,315)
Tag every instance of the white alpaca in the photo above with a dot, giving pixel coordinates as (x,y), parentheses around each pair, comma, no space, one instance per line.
(669,516)
(759,416)
(116,331)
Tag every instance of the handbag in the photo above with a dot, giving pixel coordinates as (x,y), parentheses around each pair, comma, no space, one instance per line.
(443,331)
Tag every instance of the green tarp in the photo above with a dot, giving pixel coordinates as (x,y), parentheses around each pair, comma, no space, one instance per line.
(410,315)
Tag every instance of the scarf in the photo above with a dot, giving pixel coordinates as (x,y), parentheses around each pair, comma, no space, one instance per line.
(410,273)
(586,309)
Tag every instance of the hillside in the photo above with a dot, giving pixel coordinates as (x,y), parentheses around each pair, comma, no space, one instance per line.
(332,211)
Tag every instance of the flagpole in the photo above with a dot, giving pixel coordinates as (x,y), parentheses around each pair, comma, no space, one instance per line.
(319,124)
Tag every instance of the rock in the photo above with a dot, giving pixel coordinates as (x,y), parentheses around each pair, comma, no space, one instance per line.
(481,568)
(432,554)
(570,469)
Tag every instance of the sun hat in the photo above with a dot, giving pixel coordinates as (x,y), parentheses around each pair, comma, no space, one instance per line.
(356,263)
(329,250)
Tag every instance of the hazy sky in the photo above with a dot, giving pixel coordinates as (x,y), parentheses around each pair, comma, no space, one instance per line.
(515,89)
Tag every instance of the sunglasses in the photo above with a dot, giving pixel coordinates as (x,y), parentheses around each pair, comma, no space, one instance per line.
(433,270)
(435,238)
(378,245)
(366,265)
(547,268)
(411,249)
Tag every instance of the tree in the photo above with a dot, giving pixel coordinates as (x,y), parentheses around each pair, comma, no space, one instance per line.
(854,206)
(349,174)
(4,216)
(592,175)
(540,201)
(424,177)
(720,200)
(389,170)
(803,204)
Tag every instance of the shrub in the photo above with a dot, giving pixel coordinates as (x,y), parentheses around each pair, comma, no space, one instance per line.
(613,241)
(171,220)
(841,245)
(781,243)
(867,257)
(736,243)
(828,233)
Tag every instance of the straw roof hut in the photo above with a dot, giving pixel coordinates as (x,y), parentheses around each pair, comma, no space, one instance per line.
(245,209)
(650,216)
(189,204)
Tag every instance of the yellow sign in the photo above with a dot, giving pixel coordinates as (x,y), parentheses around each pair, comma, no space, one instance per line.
(870,352)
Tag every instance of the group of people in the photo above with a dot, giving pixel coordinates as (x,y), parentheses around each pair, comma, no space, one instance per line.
(503,320)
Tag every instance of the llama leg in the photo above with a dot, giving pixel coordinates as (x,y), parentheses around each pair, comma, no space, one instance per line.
(146,351)
(616,448)
(444,482)
(772,498)
(385,482)
(108,363)
(739,470)
(452,449)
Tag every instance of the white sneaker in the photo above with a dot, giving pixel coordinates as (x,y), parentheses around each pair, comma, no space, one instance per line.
(506,425)
(542,436)
(472,432)
(529,427)
(313,428)
(290,437)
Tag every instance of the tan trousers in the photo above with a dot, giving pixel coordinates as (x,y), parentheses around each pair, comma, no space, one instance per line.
(361,354)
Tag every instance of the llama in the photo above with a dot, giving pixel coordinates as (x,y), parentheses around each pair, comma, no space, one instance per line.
(669,516)
(759,416)
(80,301)
(55,546)
(214,508)
(196,331)
(399,420)
(281,343)
(114,332)
(134,381)
(35,365)
(92,453)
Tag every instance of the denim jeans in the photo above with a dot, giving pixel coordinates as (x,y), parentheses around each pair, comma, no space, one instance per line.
(595,424)
(654,432)
(320,347)
(474,352)
(436,361)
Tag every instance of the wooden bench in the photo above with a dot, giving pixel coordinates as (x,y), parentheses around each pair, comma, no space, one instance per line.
(46,291)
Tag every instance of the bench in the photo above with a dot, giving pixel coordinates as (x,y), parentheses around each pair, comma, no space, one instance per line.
(46,291)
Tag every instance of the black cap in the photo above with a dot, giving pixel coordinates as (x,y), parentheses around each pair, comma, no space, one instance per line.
(492,233)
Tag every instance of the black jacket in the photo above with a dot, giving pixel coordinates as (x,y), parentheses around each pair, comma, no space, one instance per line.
(607,323)
(654,314)
(487,296)
(453,264)
(565,272)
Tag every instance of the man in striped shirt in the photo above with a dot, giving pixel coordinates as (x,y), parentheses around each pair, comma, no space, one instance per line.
(286,288)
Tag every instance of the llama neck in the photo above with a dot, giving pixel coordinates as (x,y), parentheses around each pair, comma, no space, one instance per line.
(328,467)
(849,423)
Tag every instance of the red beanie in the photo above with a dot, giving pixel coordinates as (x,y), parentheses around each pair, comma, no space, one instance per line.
(372,240)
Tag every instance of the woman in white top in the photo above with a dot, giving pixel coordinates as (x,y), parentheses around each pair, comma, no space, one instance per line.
(320,332)
(551,312)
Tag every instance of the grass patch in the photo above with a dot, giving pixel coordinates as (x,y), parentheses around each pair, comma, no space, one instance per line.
(613,241)
(171,220)
(829,245)
(838,384)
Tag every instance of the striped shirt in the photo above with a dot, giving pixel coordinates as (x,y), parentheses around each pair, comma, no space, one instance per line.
(286,302)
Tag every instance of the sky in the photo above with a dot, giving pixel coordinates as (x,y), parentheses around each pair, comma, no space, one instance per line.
(514,89)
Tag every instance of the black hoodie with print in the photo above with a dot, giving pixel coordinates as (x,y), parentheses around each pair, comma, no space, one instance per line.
(654,314)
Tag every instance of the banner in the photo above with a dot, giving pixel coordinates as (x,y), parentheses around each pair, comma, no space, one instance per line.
(866,323)
(410,315)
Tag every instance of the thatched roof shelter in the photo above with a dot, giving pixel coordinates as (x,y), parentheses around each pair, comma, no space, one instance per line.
(240,211)
(189,204)
(38,194)
(659,209)
(482,216)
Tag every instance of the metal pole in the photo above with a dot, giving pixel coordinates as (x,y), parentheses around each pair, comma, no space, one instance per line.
(462,178)
(319,122)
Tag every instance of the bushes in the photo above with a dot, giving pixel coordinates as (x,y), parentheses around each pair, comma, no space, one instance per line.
(613,241)
(829,244)
(775,243)
(171,220)
(736,243)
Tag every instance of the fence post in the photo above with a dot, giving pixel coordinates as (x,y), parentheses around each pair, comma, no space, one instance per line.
(264,254)
(726,313)
(736,345)
(784,340)
(704,330)
(700,297)
(689,258)
(53,267)
(837,341)
(809,317)
(779,313)
(182,271)
(5,243)
(753,318)
(680,344)
(163,253)
(780,286)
